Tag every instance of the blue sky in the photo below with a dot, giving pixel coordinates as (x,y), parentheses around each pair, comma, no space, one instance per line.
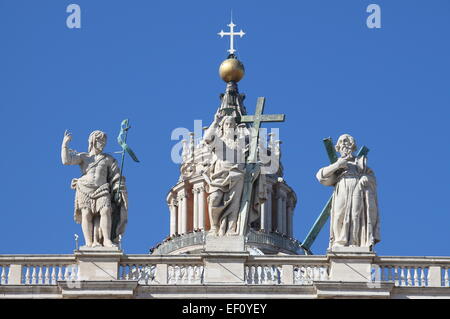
(156,63)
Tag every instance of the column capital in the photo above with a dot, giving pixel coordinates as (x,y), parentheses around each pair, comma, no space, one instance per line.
(182,194)
(173,202)
(200,187)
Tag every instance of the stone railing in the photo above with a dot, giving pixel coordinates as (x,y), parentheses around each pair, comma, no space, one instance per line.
(37,269)
(403,272)
(297,270)
(172,270)
(412,271)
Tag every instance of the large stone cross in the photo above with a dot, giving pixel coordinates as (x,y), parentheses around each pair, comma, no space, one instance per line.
(252,168)
(325,214)
(257,119)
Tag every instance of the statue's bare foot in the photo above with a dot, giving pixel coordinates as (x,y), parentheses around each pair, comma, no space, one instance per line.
(86,246)
(213,231)
(96,244)
(109,244)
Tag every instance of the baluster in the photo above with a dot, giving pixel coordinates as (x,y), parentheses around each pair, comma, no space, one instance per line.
(46,279)
(61,272)
(416,277)
(68,273)
(260,280)
(422,276)
(184,273)
(34,275)
(308,274)
(127,269)
(53,277)
(40,276)
(408,271)
(302,275)
(73,274)
(296,272)
(446,281)
(251,272)
(132,271)
(3,276)
(188,273)
(396,276)
(177,274)
(276,273)
(170,274)
(193,271)
(247,274)
(402,276)
(27,275)
(267,274)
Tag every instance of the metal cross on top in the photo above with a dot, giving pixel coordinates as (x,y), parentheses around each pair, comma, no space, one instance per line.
(231,34)
(252,169)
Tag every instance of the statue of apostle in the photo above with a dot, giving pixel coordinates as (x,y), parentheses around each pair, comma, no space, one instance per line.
(354,210)
(99,208)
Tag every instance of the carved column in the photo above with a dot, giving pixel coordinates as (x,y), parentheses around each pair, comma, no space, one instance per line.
(182,212)
(280,209)
(201,207)
(284,215)
(179,211)
(290,215)
(269,208)
(173,216)
(266,211)
(195,215)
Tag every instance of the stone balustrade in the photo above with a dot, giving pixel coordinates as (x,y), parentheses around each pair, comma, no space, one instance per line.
(263,274)
(422,275)
(412,271)
(38,269)
(182,269)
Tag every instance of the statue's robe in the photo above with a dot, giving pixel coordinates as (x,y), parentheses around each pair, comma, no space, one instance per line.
(354,210)
(226,173)
(95,193)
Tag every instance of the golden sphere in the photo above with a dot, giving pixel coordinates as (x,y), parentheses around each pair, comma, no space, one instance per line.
(231,70)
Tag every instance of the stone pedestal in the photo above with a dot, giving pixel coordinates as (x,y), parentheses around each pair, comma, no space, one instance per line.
(350,264)
(100,263)
(224,259)
(224,243)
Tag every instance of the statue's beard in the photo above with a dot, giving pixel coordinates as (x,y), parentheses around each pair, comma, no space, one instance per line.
(228,133)
(346,152)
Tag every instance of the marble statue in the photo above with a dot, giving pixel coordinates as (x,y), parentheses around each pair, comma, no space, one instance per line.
(100,210)
(224,174)
(354,210)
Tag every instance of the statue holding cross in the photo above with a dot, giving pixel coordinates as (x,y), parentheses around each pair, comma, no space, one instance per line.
(235,186)
(354,205)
